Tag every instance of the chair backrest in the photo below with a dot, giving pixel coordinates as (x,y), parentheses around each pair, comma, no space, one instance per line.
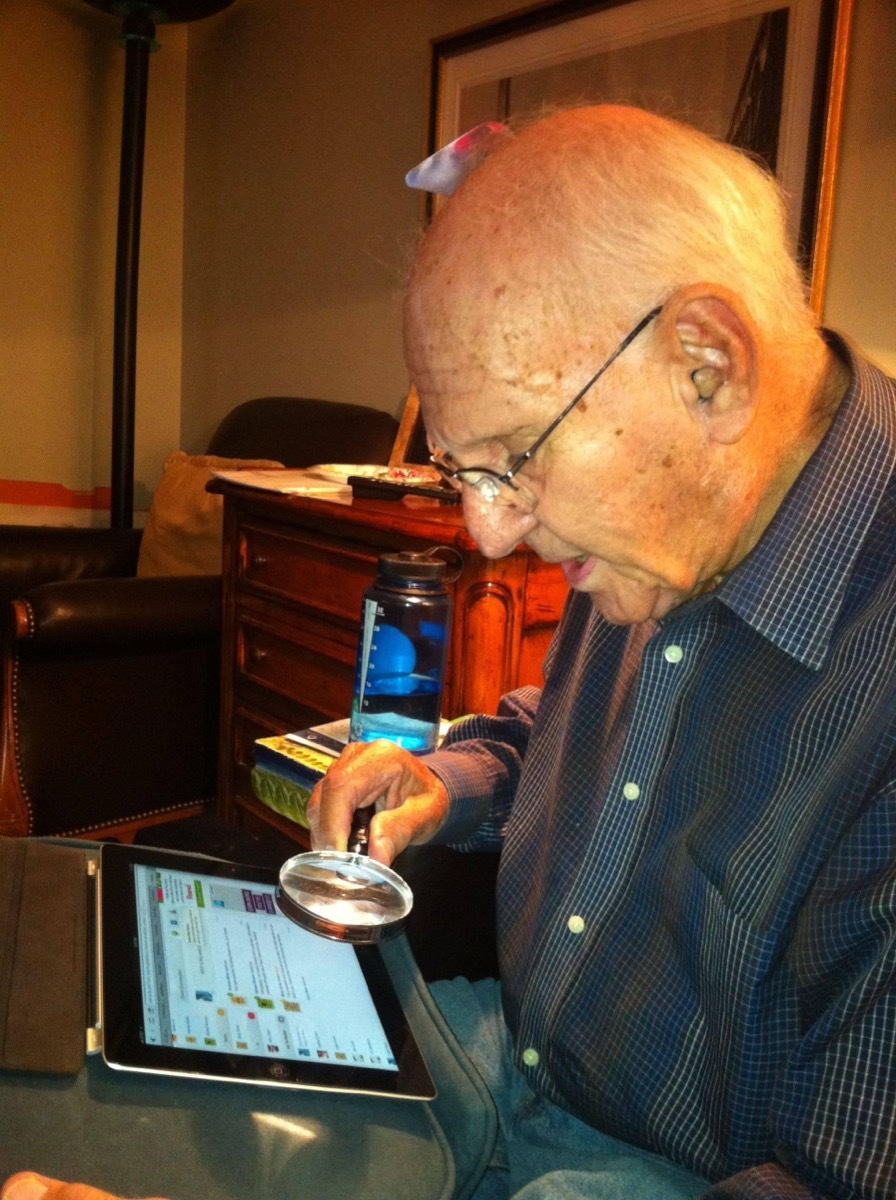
(300,432)
(410,443)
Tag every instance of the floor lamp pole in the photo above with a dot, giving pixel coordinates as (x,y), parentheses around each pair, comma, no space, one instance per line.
(138,37)
(138,33)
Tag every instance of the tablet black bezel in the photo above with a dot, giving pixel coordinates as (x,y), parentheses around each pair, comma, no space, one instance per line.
(122,1003)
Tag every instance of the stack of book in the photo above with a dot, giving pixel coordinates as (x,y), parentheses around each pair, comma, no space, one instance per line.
(289,765)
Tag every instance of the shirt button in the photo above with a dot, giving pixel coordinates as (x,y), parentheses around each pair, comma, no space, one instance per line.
(530,1056)
(673,654)
(631,791)
(576,924)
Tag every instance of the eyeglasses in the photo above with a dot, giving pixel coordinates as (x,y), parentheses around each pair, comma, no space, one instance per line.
(494,488)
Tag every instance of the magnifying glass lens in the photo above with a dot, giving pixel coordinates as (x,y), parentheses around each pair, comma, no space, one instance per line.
(346,897)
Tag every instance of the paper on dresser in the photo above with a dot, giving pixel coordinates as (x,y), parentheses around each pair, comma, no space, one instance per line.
(298,482)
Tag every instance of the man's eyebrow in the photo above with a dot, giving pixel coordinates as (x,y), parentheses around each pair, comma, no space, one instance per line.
(484,445)
(513,429)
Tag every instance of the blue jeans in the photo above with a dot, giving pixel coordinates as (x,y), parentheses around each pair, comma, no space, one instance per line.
(544,1153)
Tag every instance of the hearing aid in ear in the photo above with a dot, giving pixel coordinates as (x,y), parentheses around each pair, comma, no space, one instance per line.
(707,381)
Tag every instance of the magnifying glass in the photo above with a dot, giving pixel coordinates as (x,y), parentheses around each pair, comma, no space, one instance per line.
(344,895)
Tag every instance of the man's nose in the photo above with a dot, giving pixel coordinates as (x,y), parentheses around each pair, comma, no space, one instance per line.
(497,529)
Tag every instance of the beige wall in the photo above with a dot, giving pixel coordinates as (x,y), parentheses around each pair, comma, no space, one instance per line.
(303,119)
(861,287)
(61,84)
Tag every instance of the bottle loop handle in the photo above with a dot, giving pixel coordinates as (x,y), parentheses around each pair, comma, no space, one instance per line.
(455,560)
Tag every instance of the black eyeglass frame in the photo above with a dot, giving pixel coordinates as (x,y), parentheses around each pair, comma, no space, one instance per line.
(455,475)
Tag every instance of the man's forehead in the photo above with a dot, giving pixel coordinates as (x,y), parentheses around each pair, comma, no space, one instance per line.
(478,335)
(499,324)
(462,416)
(494,341)
(510,369)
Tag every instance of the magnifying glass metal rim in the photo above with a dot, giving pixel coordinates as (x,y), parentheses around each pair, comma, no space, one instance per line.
(342,931)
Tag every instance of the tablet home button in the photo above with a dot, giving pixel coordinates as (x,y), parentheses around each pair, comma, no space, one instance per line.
(278,1071)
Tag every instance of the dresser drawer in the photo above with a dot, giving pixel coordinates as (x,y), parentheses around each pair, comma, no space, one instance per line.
(247,727)
(313,672)
(305,570)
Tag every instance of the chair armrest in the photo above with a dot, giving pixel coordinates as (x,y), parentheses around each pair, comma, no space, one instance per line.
(36,554)
(87,612)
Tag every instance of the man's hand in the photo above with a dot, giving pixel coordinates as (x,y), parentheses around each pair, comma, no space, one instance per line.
(27,1186)
(411,802)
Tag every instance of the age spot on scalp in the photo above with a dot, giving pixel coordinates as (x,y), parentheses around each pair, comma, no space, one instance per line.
(668,460)
(619,432)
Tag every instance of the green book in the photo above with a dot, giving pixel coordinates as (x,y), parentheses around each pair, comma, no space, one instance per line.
(284,775)
(282,795)
(286,769)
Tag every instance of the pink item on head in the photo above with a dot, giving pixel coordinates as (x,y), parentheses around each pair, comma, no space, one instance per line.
(444,171)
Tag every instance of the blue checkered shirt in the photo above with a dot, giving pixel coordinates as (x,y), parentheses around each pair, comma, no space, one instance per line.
(697,818)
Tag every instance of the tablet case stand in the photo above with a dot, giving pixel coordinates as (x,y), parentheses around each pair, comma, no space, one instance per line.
(70,1116)
(43,956)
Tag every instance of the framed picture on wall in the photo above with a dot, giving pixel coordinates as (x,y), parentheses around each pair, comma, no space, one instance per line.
(766,75)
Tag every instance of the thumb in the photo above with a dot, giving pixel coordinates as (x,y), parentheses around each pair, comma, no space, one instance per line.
(28,1186)
(24,1187)
(394,829)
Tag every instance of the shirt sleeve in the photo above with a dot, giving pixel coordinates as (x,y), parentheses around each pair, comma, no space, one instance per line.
(833,1112)
(479,764)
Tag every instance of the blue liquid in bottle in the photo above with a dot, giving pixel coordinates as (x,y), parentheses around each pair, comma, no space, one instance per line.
(401,654)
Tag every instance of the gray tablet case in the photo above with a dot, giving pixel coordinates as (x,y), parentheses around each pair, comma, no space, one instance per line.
(43,956)
(71,1117)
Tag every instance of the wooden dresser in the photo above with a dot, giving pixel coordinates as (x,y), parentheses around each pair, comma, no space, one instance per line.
(294,573)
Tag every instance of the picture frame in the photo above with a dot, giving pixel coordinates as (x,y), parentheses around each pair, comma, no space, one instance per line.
(765,74)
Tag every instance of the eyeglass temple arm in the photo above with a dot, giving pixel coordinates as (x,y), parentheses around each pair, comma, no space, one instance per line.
(624,344)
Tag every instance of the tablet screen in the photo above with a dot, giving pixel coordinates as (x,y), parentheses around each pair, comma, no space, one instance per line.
(217,982)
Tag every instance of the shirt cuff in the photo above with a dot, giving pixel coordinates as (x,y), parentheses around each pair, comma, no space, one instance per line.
(468,783)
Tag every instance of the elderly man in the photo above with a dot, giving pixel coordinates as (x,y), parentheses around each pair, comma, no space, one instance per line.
(697,891)
(697,814)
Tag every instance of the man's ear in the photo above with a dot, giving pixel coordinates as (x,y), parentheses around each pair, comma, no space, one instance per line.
(712,354)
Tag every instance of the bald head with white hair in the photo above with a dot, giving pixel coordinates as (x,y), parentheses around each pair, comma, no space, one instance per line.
(664,477)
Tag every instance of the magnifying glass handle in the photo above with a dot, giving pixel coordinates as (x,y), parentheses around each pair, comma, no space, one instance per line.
(357,838)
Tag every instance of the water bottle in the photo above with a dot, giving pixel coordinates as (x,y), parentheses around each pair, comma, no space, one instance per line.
(401,652)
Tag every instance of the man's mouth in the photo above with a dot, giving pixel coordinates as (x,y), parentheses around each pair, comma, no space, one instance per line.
(576,570)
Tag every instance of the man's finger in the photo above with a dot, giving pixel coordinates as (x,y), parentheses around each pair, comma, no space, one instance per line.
(28,1186)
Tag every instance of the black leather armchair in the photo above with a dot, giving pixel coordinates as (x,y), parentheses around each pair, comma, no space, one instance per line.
(109,706)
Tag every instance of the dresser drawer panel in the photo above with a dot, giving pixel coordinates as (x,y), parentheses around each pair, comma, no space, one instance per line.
(322,676)
(307,571)
(246,729)
(248,726)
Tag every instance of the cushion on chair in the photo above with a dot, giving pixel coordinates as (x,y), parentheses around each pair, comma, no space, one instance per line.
(184,527)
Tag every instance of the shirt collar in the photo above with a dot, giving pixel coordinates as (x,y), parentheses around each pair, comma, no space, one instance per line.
(790,588)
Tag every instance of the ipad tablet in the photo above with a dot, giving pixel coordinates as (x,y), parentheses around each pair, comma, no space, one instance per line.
(200,974)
